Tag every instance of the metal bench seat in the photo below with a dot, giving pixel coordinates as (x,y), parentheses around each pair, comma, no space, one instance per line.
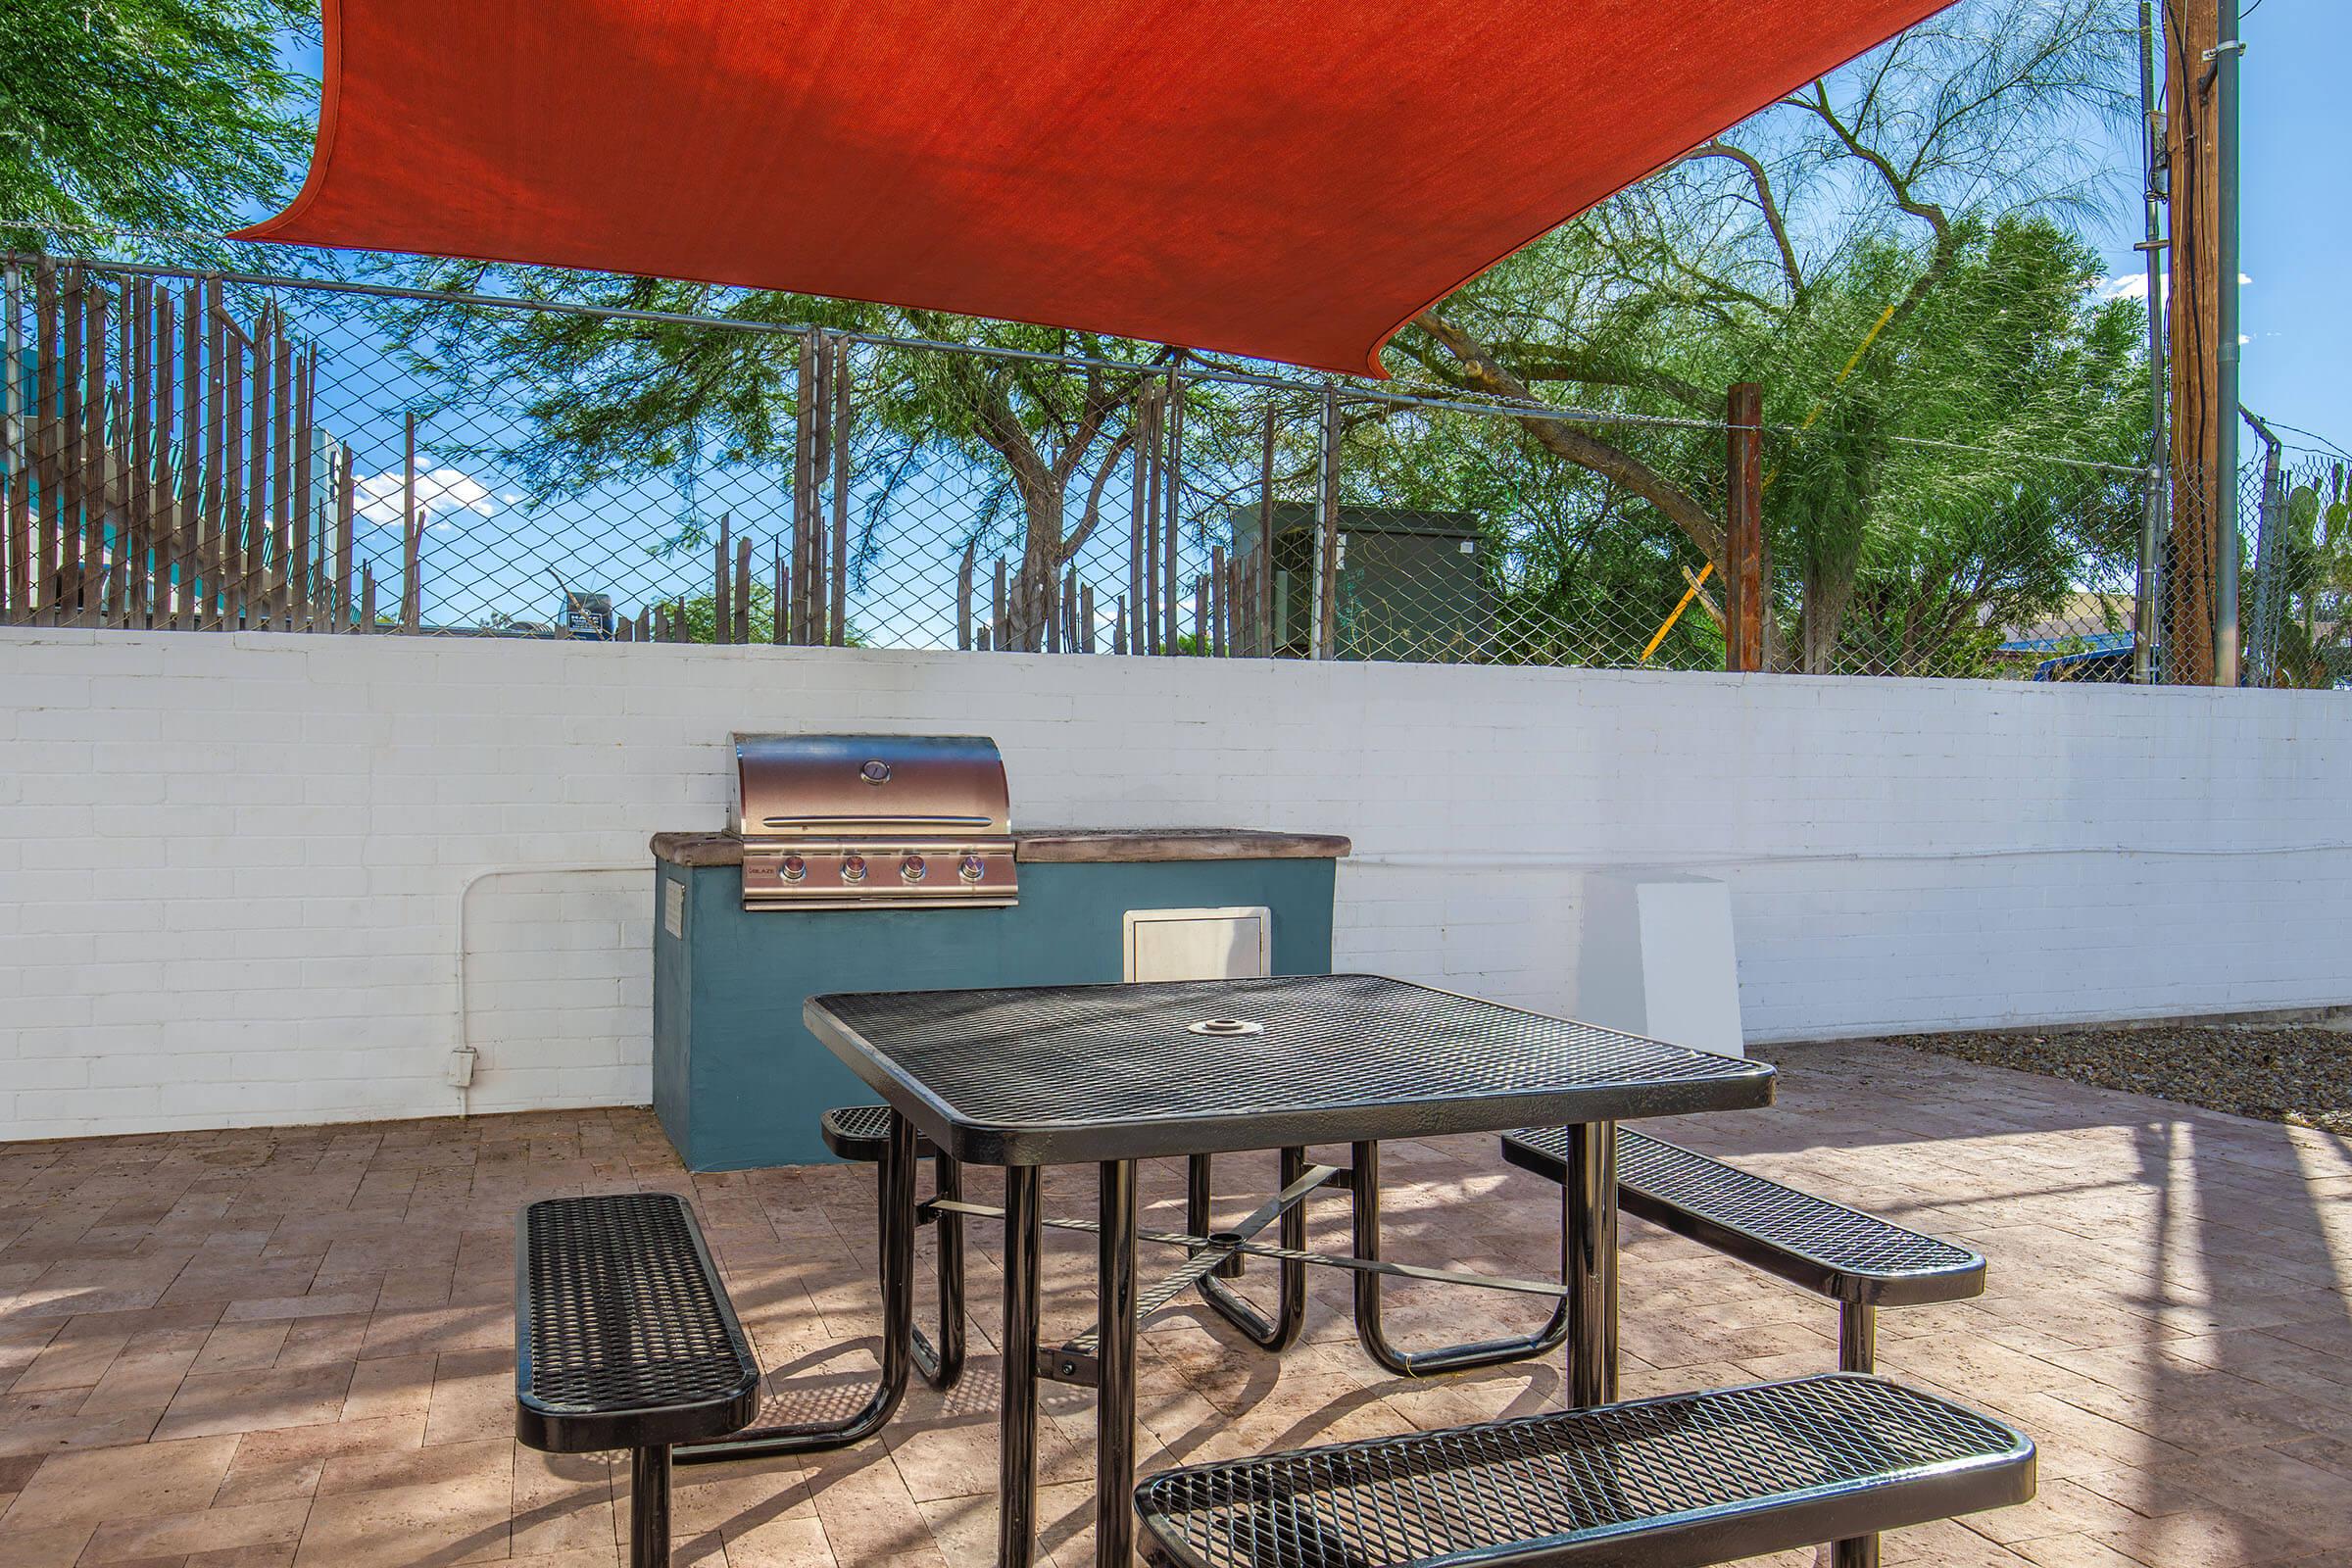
(1858,1261)
(624,1337)
(1826,1247)
(860,1132)
(1687,1479)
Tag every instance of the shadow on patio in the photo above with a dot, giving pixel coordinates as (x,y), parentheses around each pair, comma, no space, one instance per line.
(277,1346)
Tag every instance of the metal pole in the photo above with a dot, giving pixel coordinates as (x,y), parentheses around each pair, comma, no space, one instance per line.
(1016,1414)
(1115,1363)
(2227,50)
(894,1200)
(1857,1352)
(2268,560)
(12,396)
(649,1508)
(1327,531)
(1591,1220)
(2156,486)
(1173,478)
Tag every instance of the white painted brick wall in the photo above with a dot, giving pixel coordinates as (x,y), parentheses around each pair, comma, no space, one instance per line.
(230,867)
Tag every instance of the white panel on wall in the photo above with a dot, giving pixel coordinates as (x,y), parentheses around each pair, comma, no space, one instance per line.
(1229,944)
(1658,958)
(232,865)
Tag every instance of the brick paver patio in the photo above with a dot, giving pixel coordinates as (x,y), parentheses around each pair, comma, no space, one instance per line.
(293,1346)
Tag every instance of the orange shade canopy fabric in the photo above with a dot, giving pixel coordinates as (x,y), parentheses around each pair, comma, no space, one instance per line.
(1285,179)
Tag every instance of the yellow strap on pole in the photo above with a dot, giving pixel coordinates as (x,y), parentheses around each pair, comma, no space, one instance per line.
(1819,404)
(1682,604)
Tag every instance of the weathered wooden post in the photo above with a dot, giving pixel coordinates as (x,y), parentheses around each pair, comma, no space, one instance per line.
(1744,529)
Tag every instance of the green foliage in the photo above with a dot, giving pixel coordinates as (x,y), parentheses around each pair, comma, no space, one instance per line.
(1884,252)
(1023,447)
(2315,583)
(154,113)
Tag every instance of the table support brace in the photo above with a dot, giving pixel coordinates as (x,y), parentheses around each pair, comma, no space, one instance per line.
(1364,1182)
(896,1198)
(942,1367)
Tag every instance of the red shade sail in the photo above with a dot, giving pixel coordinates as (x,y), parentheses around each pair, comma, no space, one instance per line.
(1290,180)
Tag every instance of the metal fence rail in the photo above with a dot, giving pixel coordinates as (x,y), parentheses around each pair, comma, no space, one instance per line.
(210,451)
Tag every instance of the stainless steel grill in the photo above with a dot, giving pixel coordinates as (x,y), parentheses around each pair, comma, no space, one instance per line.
(874,822)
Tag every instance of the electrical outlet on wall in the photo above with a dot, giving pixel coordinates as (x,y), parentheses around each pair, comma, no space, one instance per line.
(460,1069)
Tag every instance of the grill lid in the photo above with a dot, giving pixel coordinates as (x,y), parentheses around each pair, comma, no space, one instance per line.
(892,821)
(834,786)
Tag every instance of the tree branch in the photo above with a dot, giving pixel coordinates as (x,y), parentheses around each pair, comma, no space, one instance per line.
(1564,440)
(1946,247)
(1764,200)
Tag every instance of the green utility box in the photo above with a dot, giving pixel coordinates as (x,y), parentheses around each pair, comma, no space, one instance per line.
(1409,584)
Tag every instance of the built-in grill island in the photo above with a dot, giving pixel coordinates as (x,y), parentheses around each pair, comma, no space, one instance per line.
(893,863)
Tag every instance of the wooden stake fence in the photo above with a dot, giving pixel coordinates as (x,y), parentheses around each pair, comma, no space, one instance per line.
(165,473)
(163,466)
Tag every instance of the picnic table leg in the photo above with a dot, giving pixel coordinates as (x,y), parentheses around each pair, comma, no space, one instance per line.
(1017,1415)
(649,1508)
(941,1366)
(1591,1215)
(1857,1352)
(1114,1361)
(895,1200)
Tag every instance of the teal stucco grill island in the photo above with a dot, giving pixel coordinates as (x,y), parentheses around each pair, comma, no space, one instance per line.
(740,1082)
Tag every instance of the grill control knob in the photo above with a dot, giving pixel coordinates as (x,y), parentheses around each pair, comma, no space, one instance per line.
(971,868)
(794,869)
(875,772)
(852,869)
(911,868)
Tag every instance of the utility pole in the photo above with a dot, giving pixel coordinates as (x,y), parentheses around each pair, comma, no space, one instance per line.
(2191,30)
(2155,490)
(2228,49)
(2201,50)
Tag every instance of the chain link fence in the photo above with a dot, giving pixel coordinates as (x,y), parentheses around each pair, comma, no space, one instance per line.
(228,451)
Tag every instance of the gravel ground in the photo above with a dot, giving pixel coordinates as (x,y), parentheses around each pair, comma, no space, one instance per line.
(2299,1076)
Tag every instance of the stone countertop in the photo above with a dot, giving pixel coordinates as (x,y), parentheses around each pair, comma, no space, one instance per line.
(1091,845)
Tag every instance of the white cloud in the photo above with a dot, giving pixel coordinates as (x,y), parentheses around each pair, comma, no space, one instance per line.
(2134,285)
(441,493)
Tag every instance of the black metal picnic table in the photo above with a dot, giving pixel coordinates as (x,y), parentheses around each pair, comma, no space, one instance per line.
(1110,1074)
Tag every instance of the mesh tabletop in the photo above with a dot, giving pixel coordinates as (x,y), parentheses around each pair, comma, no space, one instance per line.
(1067,1073)
(1571,1487)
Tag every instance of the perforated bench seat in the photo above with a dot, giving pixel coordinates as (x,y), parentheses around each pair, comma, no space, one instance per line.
(624,1338)
(859,1132)
(1687,1479)
(1826,1247)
